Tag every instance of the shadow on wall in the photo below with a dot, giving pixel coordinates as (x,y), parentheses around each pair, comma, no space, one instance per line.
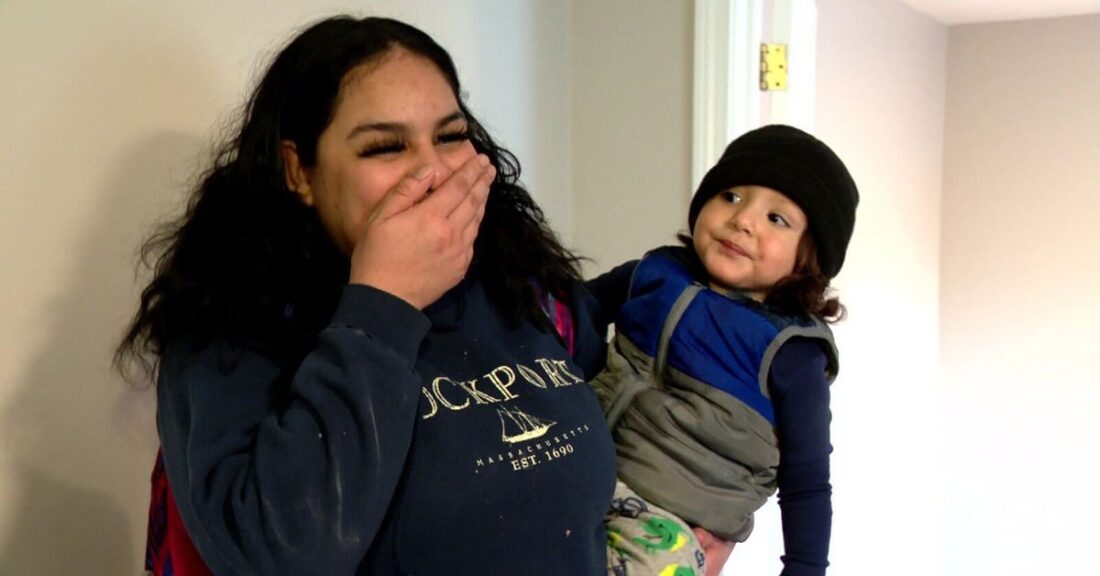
(62,528)
(84,441)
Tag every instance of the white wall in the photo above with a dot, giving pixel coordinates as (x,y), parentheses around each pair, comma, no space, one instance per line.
(106,109)
(1020,273)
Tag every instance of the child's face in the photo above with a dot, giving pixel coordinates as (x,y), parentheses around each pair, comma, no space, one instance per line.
(747,238)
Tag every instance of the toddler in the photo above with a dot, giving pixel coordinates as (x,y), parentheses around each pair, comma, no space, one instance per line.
(717,384)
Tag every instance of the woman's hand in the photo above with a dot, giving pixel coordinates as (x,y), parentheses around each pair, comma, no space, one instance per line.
(716,550)
(419,242)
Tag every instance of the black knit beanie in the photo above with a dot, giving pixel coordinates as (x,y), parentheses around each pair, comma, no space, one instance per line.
(805,170)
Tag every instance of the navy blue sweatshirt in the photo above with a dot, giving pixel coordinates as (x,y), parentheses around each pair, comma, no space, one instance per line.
(800,397)
(444,442)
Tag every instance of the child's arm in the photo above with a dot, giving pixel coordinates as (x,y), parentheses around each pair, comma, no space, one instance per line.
(611,289)
(800,394)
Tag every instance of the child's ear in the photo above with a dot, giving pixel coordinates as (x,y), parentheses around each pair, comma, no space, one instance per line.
(297,177)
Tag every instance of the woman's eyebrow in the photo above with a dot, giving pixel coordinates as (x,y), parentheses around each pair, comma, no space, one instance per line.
(401,126)
(453,116)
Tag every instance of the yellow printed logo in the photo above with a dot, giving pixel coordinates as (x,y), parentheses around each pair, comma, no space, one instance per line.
(499,385)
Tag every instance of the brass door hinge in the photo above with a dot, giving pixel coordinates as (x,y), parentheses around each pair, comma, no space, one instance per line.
(773,67)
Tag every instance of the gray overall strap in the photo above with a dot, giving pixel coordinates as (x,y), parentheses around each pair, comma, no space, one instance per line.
(818,330)
(629,387)
(674,314)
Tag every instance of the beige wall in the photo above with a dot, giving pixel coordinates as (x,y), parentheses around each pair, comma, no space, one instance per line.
(106,108)
(630,105)
(1020,271)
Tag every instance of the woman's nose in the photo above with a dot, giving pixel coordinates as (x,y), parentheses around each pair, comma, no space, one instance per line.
(441,170)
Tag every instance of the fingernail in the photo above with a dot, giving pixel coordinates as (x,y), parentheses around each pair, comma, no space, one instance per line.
(483,160)
(422,172)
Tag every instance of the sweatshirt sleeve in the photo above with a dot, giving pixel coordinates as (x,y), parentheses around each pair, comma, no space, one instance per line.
(292,473)
(800,395)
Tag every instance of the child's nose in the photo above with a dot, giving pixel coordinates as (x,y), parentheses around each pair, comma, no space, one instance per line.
(743,220)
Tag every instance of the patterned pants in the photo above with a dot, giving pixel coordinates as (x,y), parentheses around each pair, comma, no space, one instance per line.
(644,540)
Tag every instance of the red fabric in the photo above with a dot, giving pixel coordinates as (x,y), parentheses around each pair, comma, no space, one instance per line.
(168,549)
(563,321)
(185,559)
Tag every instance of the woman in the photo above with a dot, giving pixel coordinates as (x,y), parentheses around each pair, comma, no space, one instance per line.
(370,347)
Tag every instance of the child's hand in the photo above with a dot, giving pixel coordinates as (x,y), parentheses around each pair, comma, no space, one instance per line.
(716,550)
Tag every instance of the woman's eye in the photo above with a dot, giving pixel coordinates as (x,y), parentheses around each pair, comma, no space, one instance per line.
(779,219)
(457,136)
(382,148)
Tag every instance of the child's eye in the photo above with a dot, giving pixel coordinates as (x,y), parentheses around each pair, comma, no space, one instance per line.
(779,219)
(381,148)
(731,197)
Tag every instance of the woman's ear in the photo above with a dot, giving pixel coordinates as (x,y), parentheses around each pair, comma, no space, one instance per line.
(297,177)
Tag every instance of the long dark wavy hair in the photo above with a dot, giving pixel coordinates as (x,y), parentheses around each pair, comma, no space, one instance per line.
(249,262)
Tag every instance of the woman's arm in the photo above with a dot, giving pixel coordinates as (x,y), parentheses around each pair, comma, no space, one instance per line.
(800,394)
(279,473)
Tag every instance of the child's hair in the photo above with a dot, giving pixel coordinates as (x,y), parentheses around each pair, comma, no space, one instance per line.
(806,290)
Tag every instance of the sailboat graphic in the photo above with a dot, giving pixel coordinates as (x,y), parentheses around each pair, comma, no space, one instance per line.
(518,426)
